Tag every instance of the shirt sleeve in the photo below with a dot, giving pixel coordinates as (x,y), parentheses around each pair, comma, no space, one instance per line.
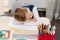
(35,13)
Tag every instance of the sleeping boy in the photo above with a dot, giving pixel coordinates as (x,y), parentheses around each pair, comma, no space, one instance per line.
(23,15)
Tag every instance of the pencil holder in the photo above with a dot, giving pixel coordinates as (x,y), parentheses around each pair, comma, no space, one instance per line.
(45,37)
(46,33)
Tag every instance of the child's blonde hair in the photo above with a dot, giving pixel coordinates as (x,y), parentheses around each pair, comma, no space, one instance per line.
(20,14)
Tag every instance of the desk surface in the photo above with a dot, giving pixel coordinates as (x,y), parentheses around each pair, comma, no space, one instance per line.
(4,20)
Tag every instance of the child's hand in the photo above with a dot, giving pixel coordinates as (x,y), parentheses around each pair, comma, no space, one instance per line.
(34,20)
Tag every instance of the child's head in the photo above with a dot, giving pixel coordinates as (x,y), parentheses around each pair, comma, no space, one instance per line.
(22,14)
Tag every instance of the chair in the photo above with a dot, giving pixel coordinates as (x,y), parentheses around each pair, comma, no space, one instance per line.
(14,6)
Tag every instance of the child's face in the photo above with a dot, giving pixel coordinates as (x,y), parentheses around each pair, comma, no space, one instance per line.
(28,14)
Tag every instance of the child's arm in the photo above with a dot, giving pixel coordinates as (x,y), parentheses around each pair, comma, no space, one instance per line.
(35,13)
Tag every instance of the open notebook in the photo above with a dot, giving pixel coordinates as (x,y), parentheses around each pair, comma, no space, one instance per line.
(26,26)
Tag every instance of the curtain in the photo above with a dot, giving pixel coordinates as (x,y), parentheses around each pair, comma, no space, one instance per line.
(53,9)
(56,11)
(50,8)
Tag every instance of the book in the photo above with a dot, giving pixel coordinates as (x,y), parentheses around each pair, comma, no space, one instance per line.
(5,35)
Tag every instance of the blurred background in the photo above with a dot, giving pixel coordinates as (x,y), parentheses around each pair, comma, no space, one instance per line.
(46,8)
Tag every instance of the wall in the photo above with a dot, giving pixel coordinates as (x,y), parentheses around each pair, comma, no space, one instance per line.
(1,8)
(49,8)
(11,3)
(38,3)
